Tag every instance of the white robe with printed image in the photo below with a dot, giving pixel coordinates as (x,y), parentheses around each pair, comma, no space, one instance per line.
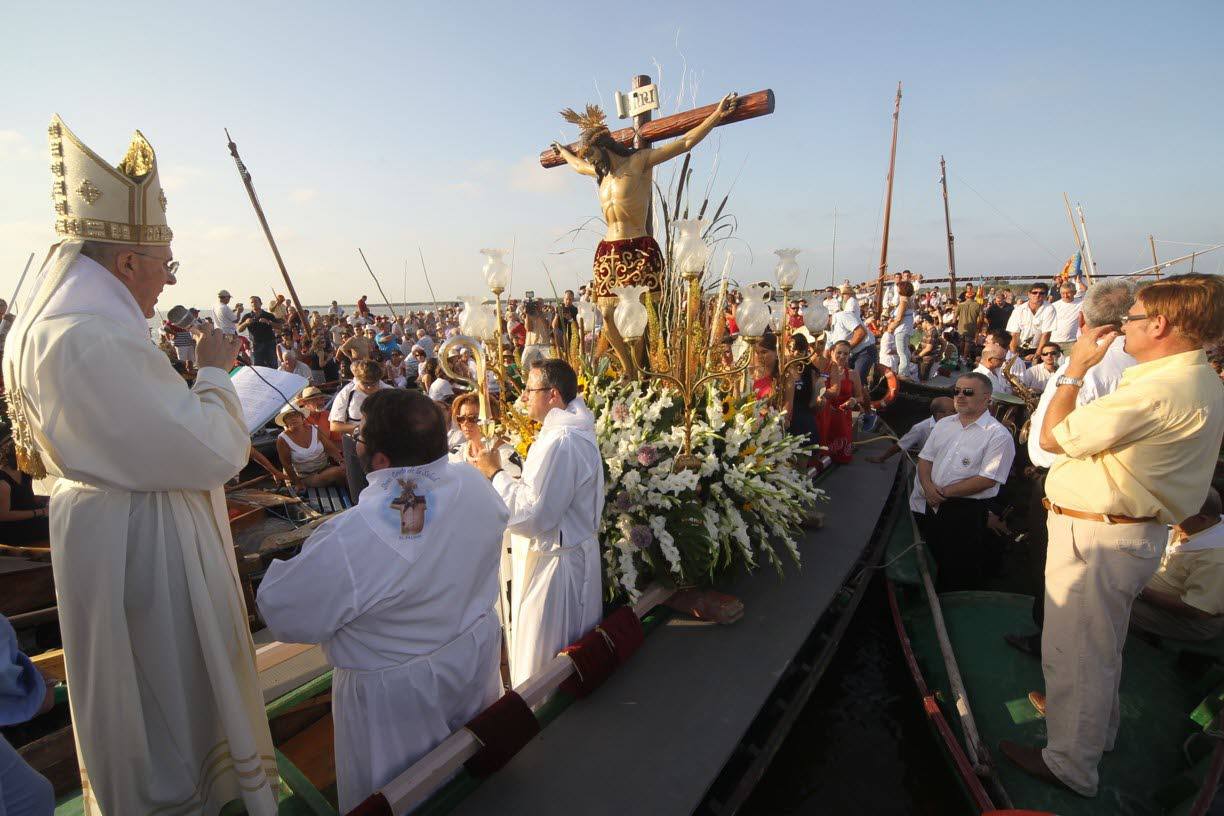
(408,620)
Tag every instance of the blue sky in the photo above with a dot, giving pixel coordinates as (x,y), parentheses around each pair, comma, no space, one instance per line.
(396,125)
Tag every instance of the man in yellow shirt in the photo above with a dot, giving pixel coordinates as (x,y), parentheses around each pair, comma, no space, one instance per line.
(1185,598)
(1130,463)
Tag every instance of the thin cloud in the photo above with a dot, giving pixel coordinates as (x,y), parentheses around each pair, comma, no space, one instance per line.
(303,195)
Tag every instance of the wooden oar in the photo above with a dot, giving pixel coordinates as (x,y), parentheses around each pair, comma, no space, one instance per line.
(979,754)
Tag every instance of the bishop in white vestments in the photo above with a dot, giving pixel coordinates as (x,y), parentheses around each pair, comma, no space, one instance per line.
(166,706)
(401,591)
(556,593)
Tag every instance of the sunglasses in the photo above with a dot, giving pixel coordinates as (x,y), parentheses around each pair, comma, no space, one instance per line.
(963,392)
(1049,353)
(1130,318)
(466,420)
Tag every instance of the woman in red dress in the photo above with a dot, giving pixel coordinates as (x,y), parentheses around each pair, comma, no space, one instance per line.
(844,392)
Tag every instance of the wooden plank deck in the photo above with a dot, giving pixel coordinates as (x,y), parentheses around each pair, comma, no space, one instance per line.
(659,731)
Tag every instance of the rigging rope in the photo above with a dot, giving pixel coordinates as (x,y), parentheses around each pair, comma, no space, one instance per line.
(1048,251)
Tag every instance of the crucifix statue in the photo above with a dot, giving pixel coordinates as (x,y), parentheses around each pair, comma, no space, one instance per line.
(621,164)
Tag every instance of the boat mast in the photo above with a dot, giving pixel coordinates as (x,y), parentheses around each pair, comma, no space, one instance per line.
(892,166)
(1087,248)
(943,181)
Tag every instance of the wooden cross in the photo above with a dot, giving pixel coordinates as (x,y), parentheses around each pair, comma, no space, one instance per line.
(645,130)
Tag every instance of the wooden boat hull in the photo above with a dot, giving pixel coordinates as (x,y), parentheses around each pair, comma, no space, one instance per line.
(1146,774)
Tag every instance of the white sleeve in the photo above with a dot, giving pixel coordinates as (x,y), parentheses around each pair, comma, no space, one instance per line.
(117,414)
(929,449)
(1048,319)
(1013,321)
(339,409)
(536,507)
(1000,450)
(915,437)
(308,598)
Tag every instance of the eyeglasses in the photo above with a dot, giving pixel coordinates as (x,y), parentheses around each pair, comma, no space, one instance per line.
(466,420)
(1048,353)
(1130,318)
(171,267)
(1036,292)
(963,392)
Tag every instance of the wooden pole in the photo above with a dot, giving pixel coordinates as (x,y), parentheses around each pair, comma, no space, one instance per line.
(21,280)
(943,180)
(1155,260)
(639,141)
(833,271)
(760,103)
(263,222)
(892,167)
(376,283)
(1079,241)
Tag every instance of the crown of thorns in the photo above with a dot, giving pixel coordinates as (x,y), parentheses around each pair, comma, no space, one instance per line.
(592,122)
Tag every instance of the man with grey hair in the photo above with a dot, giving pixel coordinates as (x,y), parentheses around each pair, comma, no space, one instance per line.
(1066,314)
(961,467)
(166,705)
(291,363)
(1103,305)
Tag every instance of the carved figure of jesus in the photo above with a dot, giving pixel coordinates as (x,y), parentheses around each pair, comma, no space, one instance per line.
(628,255)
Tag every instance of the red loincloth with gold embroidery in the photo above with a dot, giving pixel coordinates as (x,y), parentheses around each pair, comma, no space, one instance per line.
(628,262)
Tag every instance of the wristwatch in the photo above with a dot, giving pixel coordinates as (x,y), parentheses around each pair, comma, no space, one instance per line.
(1063,379)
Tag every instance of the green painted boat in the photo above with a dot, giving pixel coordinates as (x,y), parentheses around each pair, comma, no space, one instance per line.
(1170,748)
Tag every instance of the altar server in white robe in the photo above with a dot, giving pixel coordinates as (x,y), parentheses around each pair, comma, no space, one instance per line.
(401,591)
(556,593)
(165,700)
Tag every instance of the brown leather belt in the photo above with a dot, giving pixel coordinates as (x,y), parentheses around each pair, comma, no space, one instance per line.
(1103,517)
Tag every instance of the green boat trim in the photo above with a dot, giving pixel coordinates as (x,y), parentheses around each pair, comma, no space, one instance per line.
(1159,764)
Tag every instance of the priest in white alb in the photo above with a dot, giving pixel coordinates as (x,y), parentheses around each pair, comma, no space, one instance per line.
(166,706)
(556,592)
(401,591)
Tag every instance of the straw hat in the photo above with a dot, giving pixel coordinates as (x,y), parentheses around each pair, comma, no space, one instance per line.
(286,411)
(309,393)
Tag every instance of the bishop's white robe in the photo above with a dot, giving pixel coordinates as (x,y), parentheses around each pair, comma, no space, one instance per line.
(408,621)
(165,700)
(556,592)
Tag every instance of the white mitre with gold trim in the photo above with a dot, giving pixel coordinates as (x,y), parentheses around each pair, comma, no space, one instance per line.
(97,202)
(94,201)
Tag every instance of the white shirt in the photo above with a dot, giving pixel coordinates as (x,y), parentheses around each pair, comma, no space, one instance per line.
(956,452)
(336,310)
(301,369)
(1100,380)
(850,303)
(1031,325)
(1066,319)
(998,383)
(346,407)
(916,437)
(832,304)
(225,318)
(842,327)
(1037,376)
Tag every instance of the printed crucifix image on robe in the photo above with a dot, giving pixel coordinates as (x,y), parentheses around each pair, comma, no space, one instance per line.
(411,508)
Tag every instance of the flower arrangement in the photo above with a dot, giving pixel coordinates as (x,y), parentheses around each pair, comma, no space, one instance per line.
(743,503)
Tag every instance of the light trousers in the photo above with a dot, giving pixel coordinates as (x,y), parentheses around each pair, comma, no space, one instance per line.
(1094,571)
(901,338)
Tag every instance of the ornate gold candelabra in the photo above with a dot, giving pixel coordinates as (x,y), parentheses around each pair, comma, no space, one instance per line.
(689,369)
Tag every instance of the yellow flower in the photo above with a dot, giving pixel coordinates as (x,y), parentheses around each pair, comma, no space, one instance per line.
(748,451)
(748,507)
